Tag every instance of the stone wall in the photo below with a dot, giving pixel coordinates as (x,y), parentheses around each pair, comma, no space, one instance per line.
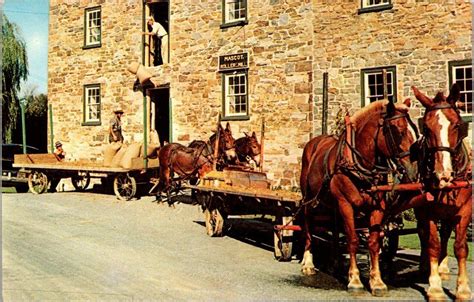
(70,67)
(290,44)
(418,37)
(278,41)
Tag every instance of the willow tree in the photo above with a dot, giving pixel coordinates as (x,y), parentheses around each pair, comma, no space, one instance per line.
(14,70)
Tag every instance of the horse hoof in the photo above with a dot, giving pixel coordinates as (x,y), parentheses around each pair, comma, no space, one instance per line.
(464,295)
(436,294)
(379,291)
(308,271)
(355,289)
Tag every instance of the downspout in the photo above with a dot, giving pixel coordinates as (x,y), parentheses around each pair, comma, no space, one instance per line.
(324,125)
(51,136)
(145,128)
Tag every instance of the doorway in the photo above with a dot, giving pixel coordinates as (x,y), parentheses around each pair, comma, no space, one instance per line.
(161,113)
(159,10)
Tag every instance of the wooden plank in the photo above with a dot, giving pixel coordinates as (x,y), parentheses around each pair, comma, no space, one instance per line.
(87,166)
(41,158)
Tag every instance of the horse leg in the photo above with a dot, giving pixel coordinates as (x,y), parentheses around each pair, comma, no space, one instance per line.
(424,236)
(463,290)
(445,233)
(307,265)
(377,286)
(435,290)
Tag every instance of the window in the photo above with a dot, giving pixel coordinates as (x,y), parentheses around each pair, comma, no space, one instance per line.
(234,13)
(92,104)
(460,72)
(235,95)
(372,84)
(367,6)
(92,27)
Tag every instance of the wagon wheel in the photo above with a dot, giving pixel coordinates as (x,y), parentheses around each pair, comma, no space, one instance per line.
(125,186)
(37,182)
(214,222)
(81,181)
(283,240)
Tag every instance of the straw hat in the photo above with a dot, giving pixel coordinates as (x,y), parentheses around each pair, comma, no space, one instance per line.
(118,111)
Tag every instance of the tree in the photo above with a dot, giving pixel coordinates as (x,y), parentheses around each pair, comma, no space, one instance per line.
(14,70)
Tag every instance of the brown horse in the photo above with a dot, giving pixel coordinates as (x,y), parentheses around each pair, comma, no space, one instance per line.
(248,149)
(443,158)
(336,172)
(188,163)
(226,151)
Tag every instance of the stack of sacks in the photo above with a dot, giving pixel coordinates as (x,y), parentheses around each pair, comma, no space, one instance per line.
(117,159)
(109,152)
(132,151)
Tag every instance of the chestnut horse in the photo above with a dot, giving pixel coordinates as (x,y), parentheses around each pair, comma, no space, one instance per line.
(226,151)
(248,149)
(188,163)
(380,141)
(443,158)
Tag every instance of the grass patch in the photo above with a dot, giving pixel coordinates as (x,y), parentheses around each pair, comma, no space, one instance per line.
(412,242)
(8,190)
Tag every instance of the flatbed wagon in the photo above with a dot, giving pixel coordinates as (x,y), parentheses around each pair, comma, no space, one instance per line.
(239,192)
(41,168)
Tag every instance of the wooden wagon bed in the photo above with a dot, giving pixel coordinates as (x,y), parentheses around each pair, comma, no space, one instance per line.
(41,168)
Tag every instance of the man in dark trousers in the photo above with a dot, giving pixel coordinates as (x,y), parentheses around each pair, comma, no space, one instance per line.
(115,129)
(157,31)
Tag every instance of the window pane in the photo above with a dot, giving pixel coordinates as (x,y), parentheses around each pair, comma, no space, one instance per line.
(468,85)
(469,73)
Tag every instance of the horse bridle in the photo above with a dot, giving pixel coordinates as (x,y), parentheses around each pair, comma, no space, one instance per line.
(391,142)
(425,147)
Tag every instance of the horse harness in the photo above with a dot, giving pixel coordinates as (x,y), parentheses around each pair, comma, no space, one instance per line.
(195,166)
(423,152)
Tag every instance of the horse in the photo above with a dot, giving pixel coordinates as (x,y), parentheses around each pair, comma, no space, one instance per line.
(444,159)
(343,169)
(188,163)
(226,150)
(248,149)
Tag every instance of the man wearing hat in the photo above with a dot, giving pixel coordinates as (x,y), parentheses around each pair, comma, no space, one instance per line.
(59,152)
(115,129)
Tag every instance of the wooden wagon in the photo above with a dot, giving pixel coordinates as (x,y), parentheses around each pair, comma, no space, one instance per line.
(41,168)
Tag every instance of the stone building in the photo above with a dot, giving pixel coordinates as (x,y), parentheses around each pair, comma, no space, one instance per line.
(247,60)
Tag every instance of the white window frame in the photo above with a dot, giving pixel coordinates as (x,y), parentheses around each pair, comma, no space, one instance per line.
(92,30)
(231,95)
(92,104)
(229,9)
(391,83)
(372,4)
(454,66)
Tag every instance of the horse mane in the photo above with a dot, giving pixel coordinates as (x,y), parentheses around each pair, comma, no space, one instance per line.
(439,97)
(367,112)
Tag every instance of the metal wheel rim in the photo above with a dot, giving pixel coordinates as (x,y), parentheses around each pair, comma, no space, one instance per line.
(125,187)
(81,181)
(37,182)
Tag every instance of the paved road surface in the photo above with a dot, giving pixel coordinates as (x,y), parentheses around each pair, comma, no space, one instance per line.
(85,246)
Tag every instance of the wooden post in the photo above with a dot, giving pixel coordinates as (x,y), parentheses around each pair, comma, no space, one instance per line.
(324,123)
(385,88)
(216,144)
(262,141)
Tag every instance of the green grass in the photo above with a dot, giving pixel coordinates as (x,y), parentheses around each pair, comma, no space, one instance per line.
(412,242)
(8,190)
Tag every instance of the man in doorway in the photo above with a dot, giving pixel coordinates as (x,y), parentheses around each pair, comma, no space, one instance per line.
(158,32)
(115,129)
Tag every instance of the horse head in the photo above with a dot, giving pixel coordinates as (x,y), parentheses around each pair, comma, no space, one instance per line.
(228,143)
(248,147)
(443,131)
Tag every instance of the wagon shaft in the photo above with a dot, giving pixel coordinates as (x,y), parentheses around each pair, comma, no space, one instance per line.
(417,186)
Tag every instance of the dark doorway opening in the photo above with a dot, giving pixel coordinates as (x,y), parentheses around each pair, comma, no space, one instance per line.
(159,10)
(160,101)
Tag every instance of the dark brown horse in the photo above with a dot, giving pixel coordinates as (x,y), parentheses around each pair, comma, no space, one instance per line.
(337,173)
(248,149)
(443,159)
(226,151)
(187,163)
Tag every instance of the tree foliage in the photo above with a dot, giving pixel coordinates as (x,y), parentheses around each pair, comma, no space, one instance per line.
(14,70)
(36,106)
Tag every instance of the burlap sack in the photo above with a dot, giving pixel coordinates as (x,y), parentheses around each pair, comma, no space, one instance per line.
(118,157)
(154,138)
(152,151)
(109,152)
(133,151)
